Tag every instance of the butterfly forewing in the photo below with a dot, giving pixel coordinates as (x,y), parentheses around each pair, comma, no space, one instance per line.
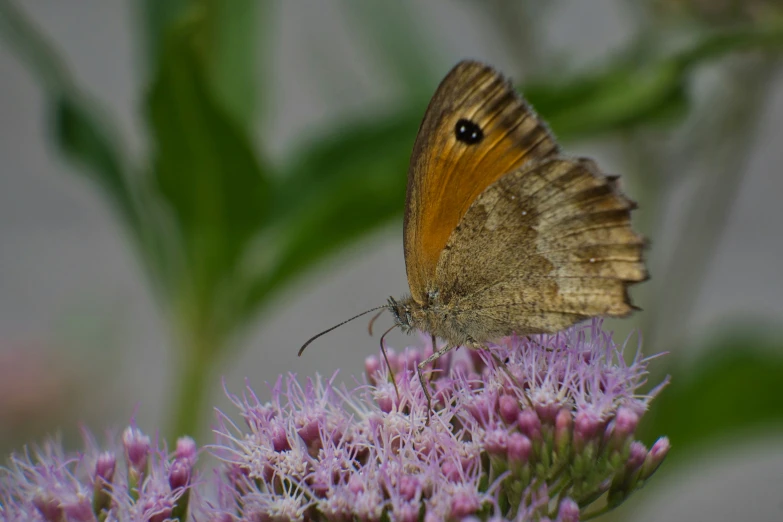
(476,129)
(543,247)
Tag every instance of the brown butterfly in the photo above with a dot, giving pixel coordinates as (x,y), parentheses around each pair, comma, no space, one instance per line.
(503,235)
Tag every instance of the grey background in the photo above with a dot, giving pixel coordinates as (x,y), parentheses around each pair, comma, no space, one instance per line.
(69,282)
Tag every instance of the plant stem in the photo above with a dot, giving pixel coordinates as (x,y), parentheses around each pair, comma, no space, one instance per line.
(193,384)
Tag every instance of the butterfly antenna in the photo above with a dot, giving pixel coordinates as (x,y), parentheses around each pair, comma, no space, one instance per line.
(386,358)
(313,338)
(372,321)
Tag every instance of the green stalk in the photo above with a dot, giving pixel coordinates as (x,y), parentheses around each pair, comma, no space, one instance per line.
(193,373)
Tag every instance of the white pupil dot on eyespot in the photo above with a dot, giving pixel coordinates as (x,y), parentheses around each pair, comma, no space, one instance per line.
(592,260)
(524,212)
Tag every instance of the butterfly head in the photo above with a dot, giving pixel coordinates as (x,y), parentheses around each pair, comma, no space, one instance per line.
(403,312)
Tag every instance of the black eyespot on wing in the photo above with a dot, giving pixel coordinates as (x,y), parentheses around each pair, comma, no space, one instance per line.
(468,132)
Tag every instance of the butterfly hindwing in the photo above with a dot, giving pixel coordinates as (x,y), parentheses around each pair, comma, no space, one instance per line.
(543,247)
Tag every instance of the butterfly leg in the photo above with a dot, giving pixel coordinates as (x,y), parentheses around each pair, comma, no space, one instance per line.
(425,384)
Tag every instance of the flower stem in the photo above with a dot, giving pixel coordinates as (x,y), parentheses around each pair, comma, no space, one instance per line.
(193,384)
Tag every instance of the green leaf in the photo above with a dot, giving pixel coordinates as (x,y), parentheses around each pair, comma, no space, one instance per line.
(205,168)
(227,35)
(83,140)
(618,99)
(732,389)
(233,34)
(155,19)
(337,190)
(380,25)
(85,135)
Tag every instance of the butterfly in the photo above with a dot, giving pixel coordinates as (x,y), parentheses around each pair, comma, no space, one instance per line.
(503,234)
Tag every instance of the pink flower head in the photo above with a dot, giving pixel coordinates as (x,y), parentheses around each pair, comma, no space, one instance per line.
(370,453)
(54,486)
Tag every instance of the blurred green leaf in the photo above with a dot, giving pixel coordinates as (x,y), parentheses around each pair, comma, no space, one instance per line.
(617,99)
(227,38)
(82,139)
(337,190)
(155,19)
(380,25)
(732,389)
(233,32)
(85,136)
(205,167)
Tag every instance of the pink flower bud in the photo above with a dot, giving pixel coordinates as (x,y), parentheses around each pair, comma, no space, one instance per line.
(451,471)
(279,438)
(372,365)
(49,507)
(496,442)
(655,457)
(519,448)
(636,456)
(355,485)
(586,426)
(508,407)
(564,422)
(409,485)
(137,448)
(79,511)
(186,448)
(529,424)
(179,473)
(568,511)
(464,503)
(625,423)
(310,429)
(105,466)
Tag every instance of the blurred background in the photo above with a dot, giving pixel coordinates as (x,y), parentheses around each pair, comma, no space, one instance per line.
(192,188)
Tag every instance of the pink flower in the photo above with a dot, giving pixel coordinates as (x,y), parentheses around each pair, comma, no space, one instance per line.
(566,402)
(94,485)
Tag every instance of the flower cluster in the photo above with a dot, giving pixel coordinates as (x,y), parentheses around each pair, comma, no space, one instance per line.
(531,429)
(132,483)
(538,428)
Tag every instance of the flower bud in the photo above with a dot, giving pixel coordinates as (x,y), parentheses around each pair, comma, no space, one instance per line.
(186,448)
(179,478)
(78,511)
(508,407)
(179,473)
(137,448)
(279,438)
(496,442)
(409,485)
(464,502)
(372,366)
(564,423)
(102,482)
(519,448)
(451,471)
(636,456)
(586,427)
(625,423)
(655,457)
(49,507)
(568,511)
(529,424)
